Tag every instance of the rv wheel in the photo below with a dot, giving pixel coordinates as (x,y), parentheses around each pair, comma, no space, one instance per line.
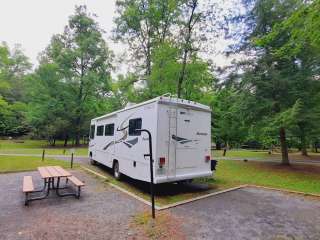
(116,172)
(92,162)
(186,182)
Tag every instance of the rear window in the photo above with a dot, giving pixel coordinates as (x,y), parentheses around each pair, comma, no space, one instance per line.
(133,125)
(100,130)
(92,130)
(109,129)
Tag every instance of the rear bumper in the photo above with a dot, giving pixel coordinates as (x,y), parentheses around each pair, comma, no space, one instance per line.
(180,177)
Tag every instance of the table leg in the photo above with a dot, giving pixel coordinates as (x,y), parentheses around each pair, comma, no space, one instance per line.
(41,197)
(52,182)
(77,194)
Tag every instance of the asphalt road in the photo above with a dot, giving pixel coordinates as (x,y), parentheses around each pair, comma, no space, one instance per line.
(251,213)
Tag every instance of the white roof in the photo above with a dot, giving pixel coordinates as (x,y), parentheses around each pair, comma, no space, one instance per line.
(163,100)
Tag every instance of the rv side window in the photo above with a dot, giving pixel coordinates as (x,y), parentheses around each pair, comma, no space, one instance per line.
(92,130)
(109,130)
(100,130)
(133,125)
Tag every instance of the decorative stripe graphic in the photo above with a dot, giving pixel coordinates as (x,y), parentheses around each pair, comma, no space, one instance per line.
(182,140)
(124,131)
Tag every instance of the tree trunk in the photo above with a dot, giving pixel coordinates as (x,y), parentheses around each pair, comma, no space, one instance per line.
(81,99)
(54,142)
(304,151)
(65,141)
(187,48)
(218,145)
(182,73)
(77,142)
(284,147)
(224,152)
(270,150)
(78,130)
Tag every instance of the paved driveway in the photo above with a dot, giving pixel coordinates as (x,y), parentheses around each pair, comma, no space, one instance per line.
(251,213)
(101,213)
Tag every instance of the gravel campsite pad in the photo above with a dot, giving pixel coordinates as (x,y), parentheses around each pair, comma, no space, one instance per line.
(252,213)
(101,213)
(105,213)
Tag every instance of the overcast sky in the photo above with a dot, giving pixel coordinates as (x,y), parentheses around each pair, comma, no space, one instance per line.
(32,23)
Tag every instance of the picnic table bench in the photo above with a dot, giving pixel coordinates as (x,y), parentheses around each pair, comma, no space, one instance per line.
(49,174)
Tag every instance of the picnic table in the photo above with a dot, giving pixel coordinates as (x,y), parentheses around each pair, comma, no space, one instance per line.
(51,176)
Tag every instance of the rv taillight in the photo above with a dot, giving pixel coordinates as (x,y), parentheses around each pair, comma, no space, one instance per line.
(208,158)
(162,161)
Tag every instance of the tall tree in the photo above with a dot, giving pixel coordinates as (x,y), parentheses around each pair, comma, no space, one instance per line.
(164,38)
(14,66)
(84,64)
(190,18)
(143,25)
(281,83)
(296,41)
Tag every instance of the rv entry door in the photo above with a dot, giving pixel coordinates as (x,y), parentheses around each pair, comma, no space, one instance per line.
(187,142)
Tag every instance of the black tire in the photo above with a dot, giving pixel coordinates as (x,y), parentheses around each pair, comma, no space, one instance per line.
(116,171)
(186,182)
(92,162)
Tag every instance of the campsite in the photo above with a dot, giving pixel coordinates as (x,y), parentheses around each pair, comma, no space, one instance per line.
(160,119)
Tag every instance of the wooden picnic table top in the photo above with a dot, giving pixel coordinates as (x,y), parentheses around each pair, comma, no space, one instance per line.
(53,171)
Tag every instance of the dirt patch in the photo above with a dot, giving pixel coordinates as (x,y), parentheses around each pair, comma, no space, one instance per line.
(164,226)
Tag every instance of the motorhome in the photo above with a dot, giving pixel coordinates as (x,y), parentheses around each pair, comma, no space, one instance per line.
(181,140)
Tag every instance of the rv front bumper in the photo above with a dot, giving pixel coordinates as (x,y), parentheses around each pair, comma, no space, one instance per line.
(180,177)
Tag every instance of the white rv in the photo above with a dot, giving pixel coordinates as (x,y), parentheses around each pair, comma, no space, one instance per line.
(181,140)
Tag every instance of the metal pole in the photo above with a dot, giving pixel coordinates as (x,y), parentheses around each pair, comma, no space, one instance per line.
(43,152)
(71,160)
(151,171)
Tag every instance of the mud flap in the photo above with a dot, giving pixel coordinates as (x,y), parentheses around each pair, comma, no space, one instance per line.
(213,164)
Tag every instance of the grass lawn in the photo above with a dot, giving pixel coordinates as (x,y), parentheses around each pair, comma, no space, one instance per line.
(242,153)
(37,146)
(262,154)
(302,178)
(229,174)
(16,164)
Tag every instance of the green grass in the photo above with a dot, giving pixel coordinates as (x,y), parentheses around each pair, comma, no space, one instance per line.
(259,154)
(13,144)
(17,164)
(243,153)
(48,151)
(302,178)
(37,146)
